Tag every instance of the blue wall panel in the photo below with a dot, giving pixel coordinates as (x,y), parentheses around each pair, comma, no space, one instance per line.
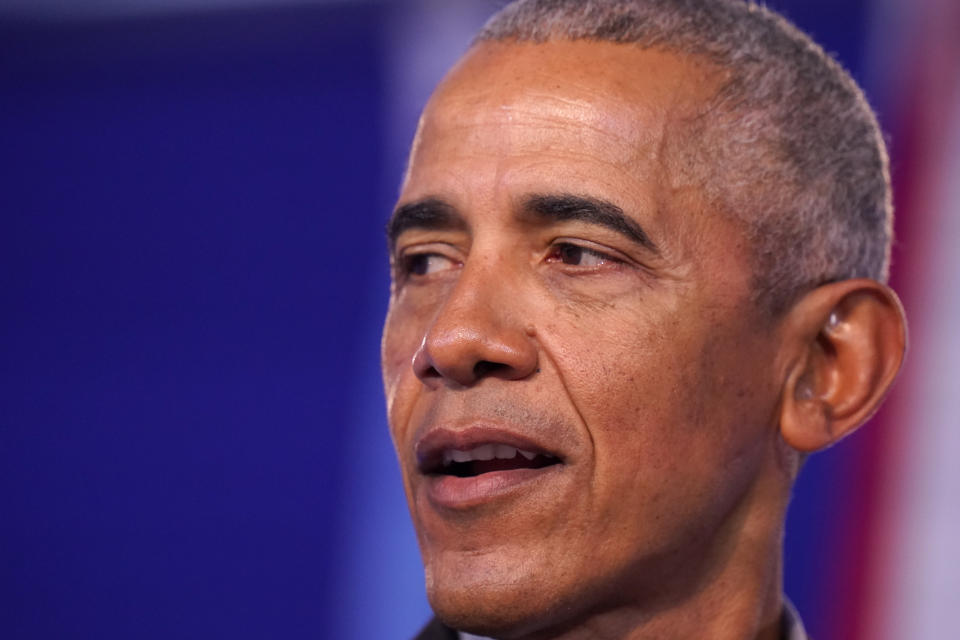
(190,220)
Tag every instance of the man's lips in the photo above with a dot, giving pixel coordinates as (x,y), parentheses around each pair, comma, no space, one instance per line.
(466,468)
(479,450)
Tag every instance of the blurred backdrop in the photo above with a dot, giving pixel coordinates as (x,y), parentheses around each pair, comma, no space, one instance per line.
(192,281)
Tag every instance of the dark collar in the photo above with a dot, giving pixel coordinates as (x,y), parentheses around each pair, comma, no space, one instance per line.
(791,627)
(435,630)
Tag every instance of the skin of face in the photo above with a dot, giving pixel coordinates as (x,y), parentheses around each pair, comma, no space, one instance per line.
(647,372)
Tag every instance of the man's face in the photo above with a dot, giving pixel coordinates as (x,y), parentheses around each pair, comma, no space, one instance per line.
(565,304)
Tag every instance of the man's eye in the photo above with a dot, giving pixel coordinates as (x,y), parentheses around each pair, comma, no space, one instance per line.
(576,255)
(421,264)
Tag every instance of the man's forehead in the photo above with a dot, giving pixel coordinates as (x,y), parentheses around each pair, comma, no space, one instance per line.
(618,102)
(572,78)
(474,107)
(596,117)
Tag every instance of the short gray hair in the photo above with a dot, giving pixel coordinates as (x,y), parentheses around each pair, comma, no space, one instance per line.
(788,145)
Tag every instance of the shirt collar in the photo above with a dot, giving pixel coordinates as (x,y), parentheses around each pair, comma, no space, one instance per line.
(791,625)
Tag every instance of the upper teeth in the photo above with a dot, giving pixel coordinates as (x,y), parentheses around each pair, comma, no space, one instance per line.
(485,452)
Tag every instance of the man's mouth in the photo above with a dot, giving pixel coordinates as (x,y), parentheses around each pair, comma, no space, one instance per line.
(487,458)
(479,450)
(469,467)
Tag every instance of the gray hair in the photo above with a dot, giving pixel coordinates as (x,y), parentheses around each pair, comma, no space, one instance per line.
(788,145)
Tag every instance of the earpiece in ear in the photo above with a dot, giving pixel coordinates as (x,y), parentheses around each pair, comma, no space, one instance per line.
(833,320)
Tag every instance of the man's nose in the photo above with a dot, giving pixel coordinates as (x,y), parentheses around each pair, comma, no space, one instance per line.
(478,333)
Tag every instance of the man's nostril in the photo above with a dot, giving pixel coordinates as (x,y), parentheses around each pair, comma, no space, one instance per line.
(485,367)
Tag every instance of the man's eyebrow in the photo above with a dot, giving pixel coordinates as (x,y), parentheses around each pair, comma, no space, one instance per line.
(597,211)
(428,213)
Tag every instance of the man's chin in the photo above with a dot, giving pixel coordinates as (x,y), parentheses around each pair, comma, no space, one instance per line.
(485,613)
(496,604)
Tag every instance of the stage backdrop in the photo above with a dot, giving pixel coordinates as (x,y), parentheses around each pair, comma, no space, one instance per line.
(192,281)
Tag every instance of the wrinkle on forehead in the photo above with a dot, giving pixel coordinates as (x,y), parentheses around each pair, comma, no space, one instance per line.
(626,113)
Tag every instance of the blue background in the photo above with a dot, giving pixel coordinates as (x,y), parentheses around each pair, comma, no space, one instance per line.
(192,279)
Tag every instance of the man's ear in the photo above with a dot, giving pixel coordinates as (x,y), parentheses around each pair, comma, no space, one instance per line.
(846,342)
